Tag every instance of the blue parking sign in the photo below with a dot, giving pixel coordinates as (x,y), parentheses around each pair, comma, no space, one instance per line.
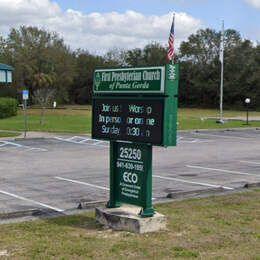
(25,94)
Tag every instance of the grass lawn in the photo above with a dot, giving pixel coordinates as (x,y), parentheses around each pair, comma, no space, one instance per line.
(223,227)
(77,120)
(59,120)
(8,134)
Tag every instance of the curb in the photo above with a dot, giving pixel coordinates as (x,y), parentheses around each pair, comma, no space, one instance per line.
(219,129)
(29,138)
(252,185)
(194,193)
(20,214)
(91,204)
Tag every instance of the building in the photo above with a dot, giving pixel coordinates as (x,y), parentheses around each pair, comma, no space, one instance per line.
(6,72)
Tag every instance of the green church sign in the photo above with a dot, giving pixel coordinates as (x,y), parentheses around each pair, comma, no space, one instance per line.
(130,80)
(134,108)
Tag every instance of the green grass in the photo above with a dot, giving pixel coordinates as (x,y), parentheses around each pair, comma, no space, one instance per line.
(195,119)
(8,134)
(223,227)
(77,120)
(60,120)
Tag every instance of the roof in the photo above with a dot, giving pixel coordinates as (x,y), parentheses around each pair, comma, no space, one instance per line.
(6,67)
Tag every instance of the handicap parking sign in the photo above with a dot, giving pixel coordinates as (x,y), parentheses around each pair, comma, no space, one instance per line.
(25,94)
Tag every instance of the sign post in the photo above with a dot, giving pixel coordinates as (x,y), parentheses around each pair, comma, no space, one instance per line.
(131,176)
(134,108)
(25,95)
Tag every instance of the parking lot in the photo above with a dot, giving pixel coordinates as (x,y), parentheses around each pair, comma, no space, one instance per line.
(59,172)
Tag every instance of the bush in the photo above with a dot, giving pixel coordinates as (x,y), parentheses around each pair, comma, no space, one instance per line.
(8,107)
(8,91)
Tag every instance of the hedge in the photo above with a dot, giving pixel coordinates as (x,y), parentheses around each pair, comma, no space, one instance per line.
(8,107)
(8,91)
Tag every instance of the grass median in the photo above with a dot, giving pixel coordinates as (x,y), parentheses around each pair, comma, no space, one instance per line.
(223,227)
(8,134)
(78,120)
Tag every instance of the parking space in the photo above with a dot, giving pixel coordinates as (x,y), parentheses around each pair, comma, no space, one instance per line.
(60,172)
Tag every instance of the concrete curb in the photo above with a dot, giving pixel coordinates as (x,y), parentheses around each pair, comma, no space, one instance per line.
(91,205)
(219,129)
(19,214)
(194,193)
(252,185)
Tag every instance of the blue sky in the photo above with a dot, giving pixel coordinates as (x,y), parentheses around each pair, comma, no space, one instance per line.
(101,25)
(237,14)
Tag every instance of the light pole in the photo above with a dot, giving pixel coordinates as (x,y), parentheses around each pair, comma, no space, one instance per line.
(247,101)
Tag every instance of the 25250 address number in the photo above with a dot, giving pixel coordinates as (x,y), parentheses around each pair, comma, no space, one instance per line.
(130,153)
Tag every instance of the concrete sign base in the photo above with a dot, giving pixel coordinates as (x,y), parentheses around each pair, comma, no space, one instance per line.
(127,218)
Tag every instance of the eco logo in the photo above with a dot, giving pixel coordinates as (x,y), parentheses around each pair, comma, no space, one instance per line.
(97,80)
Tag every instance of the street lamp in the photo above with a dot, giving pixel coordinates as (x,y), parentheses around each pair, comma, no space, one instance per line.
(247,101)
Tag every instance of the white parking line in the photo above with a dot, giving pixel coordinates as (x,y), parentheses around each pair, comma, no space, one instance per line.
(250,162)
(100,143)
(70,140)
(29,148)
(31,201)
(190,140)
(80,182)
(84,183)
(193,182)
(82,140)
(221,170)
(222,136)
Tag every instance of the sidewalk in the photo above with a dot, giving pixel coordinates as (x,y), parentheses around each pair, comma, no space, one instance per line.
(35,134)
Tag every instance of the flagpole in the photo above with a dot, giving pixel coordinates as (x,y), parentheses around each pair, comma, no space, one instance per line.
(222,73)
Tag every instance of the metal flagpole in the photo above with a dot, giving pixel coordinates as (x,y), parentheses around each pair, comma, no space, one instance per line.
(221,58)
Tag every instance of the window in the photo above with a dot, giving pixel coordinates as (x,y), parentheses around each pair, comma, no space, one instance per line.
(2,76)
(9,76)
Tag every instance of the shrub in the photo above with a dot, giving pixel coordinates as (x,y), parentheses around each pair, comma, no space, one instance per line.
(8,91)
(8,107)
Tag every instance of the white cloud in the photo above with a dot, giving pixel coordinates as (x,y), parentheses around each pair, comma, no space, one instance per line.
(254,3)
(96,32)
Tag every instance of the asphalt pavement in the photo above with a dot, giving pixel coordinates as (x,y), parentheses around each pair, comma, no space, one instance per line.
(58,173)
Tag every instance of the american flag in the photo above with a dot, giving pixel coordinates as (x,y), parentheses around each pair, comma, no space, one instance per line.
(170,52)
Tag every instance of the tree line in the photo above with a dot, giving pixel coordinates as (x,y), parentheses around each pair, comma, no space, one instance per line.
(46,66)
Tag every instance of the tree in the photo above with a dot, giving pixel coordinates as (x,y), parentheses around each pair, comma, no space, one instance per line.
(116,57)
(43,91)
(86,63)
(200,68)
(242,74)
(201,48)
(152,54)
(34,51)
